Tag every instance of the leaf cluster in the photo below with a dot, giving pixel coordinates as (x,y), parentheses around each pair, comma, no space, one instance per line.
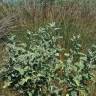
(34,68)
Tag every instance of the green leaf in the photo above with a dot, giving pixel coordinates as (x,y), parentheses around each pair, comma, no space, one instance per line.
(29,93)
(80,65)
(24,80)
(20,70)
(77,79)
(73,93)
(6,84)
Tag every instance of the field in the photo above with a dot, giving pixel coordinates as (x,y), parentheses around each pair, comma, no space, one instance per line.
(69,25)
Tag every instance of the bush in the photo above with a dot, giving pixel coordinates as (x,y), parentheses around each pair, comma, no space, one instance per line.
(31,64)
(34,67)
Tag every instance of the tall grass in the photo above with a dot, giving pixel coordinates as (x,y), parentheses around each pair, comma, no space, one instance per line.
(74,16)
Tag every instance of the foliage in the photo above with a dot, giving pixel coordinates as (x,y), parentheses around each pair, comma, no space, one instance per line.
(34,67)
(31,64)
(76,69)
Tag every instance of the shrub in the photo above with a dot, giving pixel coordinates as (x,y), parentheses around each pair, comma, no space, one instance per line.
(34,68)
(31,64)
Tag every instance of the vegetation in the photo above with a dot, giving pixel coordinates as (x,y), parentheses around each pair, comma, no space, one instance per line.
(51,59)
(74,16)
(35,69)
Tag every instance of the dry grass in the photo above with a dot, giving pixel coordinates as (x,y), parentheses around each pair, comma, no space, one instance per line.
(72,16)
(6,24)
(31,13)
